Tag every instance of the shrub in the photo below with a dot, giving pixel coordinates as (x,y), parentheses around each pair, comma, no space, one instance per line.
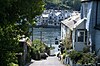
(12,64)
(86,49)
(87,58)
(75,56)
(82,58)
(64,55)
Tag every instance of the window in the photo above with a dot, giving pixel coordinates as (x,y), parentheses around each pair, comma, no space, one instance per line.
(55,23)
(81,36)
(50,17)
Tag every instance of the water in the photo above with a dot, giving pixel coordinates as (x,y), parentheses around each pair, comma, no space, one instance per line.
(47,35)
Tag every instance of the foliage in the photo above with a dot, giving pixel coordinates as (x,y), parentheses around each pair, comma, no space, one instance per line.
(62,48)
(86,49)
(63,4)
(37,48)
(38,45)
(15,17)
(74,55)
(12,64)
(67,42)
(87,58)
(82,58)
(64,54)
(73,4)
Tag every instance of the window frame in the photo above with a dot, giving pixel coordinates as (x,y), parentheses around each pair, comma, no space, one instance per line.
(84,35)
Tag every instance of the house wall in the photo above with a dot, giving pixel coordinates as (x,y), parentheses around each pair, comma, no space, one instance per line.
(94,34)
(66,35)
(97,42)
(97,32)
(68,39)
(63,31)
(86,12)
(78,45)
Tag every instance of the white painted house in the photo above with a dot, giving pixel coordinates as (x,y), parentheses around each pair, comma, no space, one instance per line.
(76,26)
(52,17)
(92,10)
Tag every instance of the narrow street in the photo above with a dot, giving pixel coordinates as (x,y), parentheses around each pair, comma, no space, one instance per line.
(50,61)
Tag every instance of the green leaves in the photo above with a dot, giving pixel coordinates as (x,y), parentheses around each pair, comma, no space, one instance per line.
(82,58)
(74,55)
(15,18)
(65,4)
(38,45)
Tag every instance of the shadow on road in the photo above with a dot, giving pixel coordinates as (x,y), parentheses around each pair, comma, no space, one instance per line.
(32,61)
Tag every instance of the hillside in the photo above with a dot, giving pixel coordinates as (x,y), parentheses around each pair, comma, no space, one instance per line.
(63,4)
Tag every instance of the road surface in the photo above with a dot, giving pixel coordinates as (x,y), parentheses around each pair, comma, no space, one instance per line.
(50,61)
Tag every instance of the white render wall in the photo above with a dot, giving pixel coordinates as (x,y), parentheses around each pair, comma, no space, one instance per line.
(63,31)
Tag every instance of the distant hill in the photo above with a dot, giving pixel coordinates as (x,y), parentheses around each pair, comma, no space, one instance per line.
(63,4)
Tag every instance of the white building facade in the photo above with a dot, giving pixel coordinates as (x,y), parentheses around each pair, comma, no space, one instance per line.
(74,29)
(52,17)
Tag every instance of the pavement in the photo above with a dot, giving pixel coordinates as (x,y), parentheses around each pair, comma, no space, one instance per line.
(50,61)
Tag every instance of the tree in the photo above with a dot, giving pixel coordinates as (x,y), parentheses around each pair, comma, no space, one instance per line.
(38,45)
(37,48)
(65,4)
(15,18)
(72,4)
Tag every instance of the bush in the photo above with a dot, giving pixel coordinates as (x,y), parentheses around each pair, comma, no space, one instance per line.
(35,54)
(12,64)
(75,56)
(87,58)
(86,49)
(82,58)
(64,55)
(37,48)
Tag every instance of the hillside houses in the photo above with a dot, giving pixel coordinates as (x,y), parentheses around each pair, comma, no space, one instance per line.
(52,17)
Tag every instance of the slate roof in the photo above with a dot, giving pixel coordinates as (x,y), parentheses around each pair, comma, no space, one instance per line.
(73,21)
